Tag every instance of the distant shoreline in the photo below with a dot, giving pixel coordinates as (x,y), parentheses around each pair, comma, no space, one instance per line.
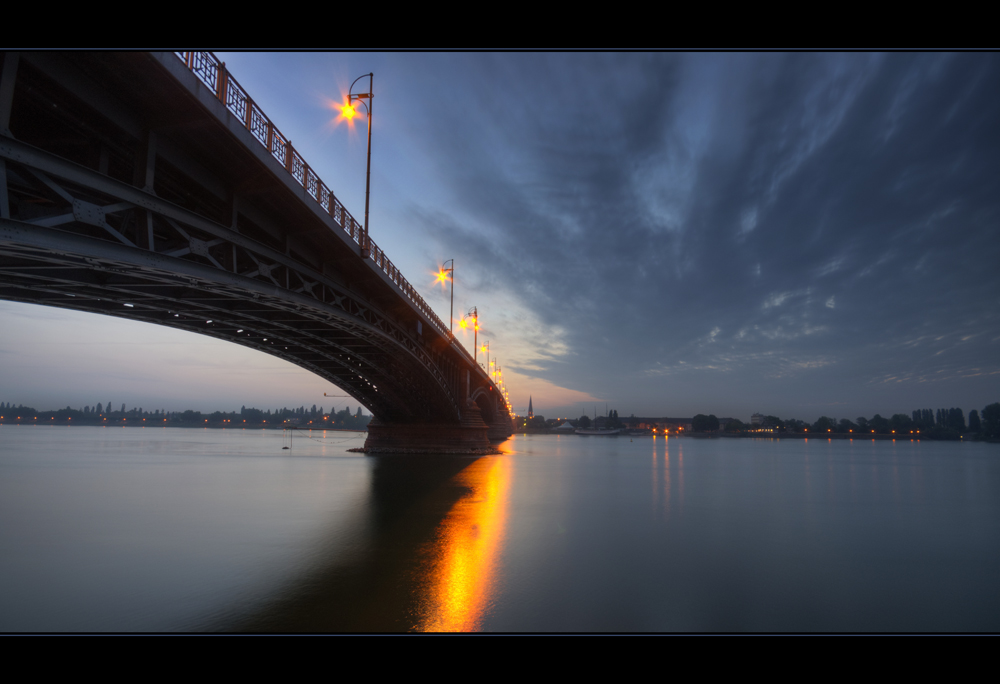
(776,435)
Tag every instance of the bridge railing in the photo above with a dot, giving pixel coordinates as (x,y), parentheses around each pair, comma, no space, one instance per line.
(213,73)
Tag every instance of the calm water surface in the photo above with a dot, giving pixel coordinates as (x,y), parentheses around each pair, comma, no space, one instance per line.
(105,529)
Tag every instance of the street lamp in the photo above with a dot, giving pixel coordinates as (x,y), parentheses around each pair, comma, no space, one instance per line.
(449,275)
(474,315)
(349,111)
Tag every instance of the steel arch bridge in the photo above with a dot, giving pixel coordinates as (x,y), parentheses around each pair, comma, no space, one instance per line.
(150,186)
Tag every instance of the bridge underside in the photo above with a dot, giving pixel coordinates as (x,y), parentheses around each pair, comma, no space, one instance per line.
(58,268)
(146,229)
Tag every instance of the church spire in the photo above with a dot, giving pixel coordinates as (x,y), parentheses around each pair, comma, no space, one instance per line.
(531,412)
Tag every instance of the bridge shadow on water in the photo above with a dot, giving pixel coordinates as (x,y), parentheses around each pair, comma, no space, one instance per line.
(426,562)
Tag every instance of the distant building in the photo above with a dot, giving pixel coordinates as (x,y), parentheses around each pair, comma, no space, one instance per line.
(756,419)
(531,412)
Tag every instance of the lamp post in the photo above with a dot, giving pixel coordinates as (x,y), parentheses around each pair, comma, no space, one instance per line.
(486,350)
(349,112)
(474,315)
(449,275)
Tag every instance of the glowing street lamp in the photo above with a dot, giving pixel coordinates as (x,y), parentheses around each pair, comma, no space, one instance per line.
(349,111)
(474,315)
(448,274)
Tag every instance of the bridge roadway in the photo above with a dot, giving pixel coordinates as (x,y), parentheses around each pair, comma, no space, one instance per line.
(129,187)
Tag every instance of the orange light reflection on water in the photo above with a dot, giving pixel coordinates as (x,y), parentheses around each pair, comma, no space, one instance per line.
(464,558)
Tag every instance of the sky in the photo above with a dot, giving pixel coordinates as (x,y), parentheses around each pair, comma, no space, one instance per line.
(666,234)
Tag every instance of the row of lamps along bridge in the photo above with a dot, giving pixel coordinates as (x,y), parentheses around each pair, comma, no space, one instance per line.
(349,111)
(471,320)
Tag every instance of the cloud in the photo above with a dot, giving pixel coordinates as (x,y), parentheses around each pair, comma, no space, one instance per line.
(819,192)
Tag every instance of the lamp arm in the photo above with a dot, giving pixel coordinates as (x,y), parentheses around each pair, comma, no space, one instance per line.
(349,90)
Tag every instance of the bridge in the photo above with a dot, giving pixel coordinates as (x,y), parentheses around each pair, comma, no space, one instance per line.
(151,186)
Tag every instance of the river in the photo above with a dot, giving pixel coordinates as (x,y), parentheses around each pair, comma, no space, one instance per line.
(170,529)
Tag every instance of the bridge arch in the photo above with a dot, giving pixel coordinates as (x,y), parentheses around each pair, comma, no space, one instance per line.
(127,190)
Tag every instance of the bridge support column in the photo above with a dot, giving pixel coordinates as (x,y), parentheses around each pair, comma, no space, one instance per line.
(498,432)
(470,436)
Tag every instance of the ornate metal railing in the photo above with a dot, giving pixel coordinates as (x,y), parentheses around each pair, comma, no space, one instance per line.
(207,67)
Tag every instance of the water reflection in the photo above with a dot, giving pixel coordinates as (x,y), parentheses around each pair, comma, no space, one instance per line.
(115,530)
(425,557)
(661,478)
(463,561)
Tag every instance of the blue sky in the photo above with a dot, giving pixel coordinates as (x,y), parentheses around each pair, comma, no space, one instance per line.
(794,234)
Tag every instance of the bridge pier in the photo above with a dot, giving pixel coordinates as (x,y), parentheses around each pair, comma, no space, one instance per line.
(471,436)
(498,432)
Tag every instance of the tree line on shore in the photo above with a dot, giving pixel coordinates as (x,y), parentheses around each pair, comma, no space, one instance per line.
(540,423)
(943,424)
(925,423)
(101,414)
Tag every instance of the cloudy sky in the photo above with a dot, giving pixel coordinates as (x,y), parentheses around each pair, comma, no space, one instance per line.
(799,235)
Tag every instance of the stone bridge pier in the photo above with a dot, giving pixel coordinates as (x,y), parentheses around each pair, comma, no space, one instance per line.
(484,422)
